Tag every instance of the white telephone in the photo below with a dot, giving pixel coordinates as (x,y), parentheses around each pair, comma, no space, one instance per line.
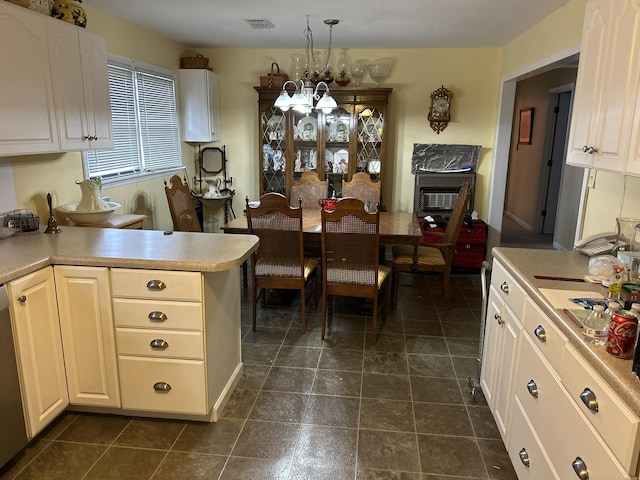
(597,244)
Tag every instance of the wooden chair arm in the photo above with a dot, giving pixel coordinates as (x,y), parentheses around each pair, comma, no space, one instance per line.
(430,233)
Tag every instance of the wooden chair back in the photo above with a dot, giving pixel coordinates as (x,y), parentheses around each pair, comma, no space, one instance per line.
(309,189)
(183,212)
(363,188)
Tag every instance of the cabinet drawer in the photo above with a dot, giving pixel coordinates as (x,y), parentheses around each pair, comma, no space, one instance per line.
(613,420)
(166,315)
(510,292)
(562,429)
(186,379)
(525,447)
(156,284)
(167,344)
(545,334)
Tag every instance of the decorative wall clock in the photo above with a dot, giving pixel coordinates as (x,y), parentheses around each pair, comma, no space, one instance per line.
(440,109)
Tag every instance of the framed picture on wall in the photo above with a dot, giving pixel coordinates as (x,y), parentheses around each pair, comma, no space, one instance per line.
(526,124)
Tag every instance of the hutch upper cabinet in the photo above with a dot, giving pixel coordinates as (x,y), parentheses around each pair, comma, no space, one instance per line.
(350,139)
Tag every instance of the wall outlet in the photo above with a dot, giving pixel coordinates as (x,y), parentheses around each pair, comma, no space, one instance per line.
(591,181)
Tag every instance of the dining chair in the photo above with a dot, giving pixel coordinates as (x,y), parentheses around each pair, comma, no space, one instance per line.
(362,187)
(183,212)
(309,189)
(435,256)
(279,262)
(350,261)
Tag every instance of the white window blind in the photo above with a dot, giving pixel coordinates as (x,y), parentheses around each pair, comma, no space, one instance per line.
(145,125)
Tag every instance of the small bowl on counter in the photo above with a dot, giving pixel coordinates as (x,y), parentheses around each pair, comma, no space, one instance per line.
(87,218)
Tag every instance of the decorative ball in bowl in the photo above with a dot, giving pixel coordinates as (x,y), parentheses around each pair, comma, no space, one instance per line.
(87,218)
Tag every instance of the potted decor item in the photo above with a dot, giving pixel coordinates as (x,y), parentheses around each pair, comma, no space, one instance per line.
(71,11)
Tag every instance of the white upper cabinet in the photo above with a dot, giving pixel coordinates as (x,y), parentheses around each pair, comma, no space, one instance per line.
(199,104)
(607,86)
(54,91)
(27,117)
(78,62)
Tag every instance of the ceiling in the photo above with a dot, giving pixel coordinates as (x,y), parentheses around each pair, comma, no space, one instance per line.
(363,23)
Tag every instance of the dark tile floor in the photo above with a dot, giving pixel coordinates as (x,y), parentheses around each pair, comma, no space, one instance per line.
(307,409)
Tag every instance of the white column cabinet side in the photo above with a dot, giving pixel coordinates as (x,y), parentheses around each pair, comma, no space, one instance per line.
(200,105)
(607,85)
(502,339)
(27,117)
(86,322)
(36,330)
(81,87)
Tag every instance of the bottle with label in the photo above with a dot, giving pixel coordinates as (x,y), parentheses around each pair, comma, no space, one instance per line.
(596,326)
(615,282)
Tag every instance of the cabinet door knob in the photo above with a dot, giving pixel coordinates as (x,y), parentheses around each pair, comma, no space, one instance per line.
(533,388)
(86,137)
(592,150)
(157,316)
(498,317)
(589,399)
(580,468)
(162,387)
(585,149)
(156,285)
(504,287)
(159,343)
(540,333)
(22,299)
(524,457)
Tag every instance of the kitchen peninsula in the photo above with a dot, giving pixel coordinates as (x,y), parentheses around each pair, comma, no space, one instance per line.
(138,322)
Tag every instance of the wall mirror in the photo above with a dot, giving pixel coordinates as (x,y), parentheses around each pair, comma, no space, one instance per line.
(212,160)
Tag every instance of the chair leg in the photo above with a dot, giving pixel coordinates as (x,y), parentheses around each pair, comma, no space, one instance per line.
(374,322)
(314,290)
(303,306)
(324,313)
(395,279)
(254,302)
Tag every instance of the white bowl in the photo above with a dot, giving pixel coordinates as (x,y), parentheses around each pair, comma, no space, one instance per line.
(87,218)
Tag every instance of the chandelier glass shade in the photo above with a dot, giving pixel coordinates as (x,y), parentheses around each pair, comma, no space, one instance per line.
(304,97)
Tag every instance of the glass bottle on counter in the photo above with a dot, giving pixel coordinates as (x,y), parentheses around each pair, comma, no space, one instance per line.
(596,326)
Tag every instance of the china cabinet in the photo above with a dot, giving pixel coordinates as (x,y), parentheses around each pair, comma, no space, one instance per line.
(336,145)
(601,134)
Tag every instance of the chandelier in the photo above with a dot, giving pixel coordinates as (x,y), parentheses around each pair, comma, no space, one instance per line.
(315,77)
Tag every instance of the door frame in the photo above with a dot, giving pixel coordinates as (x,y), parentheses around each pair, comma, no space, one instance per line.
(502,144)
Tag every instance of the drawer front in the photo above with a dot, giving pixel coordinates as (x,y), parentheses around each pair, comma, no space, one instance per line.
(527,455)
(477,234)
(613,420)
(165,315)
(563,431)
(186,379)
(160,343)
(156,284)
(510,292)
(545,334)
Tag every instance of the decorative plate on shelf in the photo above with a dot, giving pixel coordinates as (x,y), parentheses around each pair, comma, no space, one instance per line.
(339,131)
(308,128)
(373,166)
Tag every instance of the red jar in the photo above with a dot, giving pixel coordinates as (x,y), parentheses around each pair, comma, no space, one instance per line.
(623,332)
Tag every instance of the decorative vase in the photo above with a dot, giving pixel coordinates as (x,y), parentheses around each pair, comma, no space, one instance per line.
(71,11)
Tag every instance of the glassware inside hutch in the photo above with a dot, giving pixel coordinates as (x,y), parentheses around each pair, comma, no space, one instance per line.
(370,130)
(274,154)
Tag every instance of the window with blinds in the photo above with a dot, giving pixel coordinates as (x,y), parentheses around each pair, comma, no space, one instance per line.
(146,135)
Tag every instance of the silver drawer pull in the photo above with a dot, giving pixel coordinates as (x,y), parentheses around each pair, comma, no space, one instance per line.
(22,299)
(156,285)
(504,287)
(524,457)
(540,333)
(533,388)
(499,319)
(162,387)
(589,399)
(580,468)
(159,343)
(157,316)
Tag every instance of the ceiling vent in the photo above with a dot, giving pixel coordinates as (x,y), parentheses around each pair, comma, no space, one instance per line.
(260,23)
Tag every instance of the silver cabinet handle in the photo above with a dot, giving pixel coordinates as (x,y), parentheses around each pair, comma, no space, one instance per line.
(580,468)
(157,316)
(162,387)
(589,399)
(504,287)
(533,388)
(524,457)
(156,285)
(499,319)
(22,299)
(592,150)
(540,333)
(159,343)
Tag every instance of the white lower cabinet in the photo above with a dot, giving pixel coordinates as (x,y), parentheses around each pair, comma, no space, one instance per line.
(36,332)
(86,322)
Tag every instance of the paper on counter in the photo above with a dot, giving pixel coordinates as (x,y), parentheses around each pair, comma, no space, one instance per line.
(560,299)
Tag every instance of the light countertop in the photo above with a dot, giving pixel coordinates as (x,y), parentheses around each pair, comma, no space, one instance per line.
(524,264)
(148,249)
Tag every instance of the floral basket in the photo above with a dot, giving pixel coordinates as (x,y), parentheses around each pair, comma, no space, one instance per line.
(274,79)
(199,61)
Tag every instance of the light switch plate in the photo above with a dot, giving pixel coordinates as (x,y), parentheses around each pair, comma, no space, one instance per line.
(591,181)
